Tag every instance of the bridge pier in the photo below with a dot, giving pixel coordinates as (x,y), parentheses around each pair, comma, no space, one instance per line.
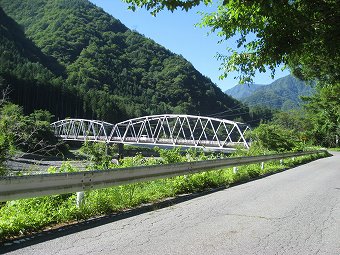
(120,150)
(106,149)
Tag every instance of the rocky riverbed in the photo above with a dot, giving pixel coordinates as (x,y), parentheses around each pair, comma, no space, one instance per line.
(39,165)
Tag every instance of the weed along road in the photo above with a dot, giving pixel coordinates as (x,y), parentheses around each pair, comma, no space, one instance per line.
(293,212)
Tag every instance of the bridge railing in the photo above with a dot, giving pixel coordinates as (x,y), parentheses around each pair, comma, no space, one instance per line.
(18,187)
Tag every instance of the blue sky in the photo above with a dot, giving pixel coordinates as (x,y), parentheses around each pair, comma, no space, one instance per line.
(177,32)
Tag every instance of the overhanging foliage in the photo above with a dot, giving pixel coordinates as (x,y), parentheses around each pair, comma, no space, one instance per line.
(301,34)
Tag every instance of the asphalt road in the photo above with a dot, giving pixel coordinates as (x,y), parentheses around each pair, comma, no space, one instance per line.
(293,212)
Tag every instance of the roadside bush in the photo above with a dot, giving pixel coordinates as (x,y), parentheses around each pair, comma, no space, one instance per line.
(6,150)
(275,138)
(98,153)
(242,175)
(30,134)
(171,156)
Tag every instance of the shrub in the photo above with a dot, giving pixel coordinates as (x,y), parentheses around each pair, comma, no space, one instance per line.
(275,138)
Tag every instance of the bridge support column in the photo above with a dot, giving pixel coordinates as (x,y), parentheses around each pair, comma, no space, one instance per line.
(106,149)
(120,148)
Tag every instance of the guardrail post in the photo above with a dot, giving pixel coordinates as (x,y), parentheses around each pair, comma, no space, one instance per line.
(262,165)
(80,198)
(235,169)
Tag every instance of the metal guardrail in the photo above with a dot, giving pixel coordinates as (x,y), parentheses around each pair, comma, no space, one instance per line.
(18,187)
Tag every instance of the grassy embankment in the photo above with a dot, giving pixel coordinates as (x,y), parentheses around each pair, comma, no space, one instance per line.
(21,217)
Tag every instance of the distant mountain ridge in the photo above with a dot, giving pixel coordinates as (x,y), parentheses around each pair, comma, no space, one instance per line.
(241,91)
(283,93)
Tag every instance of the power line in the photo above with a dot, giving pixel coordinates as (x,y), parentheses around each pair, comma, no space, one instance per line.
(230,110)
(233,109)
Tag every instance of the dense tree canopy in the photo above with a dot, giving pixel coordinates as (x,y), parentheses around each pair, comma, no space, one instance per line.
(324,112)
(302,34)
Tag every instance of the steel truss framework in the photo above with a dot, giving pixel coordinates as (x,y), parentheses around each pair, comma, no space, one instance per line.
(162,130)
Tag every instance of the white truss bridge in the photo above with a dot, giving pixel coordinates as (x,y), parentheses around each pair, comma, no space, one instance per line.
(158,130)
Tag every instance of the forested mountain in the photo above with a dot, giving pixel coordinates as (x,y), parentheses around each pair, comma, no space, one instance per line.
(33,78)
(241,91)
(76,60)
(283,94)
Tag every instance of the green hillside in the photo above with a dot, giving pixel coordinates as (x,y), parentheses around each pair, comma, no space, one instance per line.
(33,78)
(283,94)
(241,91)
(111,72)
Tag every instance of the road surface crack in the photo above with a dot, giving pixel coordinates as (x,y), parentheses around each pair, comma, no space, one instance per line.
(252,216)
